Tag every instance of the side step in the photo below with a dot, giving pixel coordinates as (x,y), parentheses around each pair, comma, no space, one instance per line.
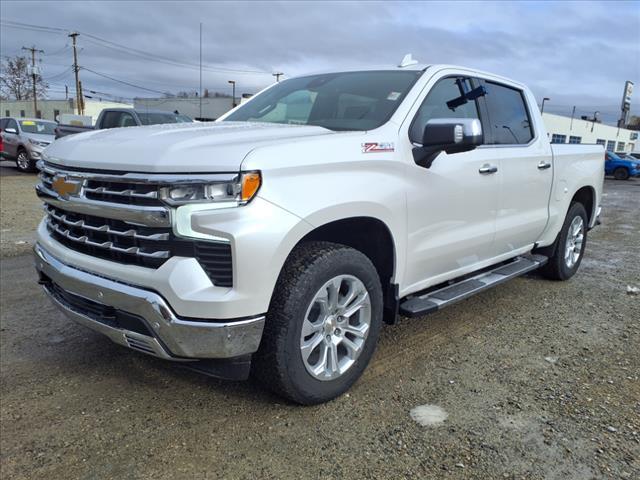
(430,301)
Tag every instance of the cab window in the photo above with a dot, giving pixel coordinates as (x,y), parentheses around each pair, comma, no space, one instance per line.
(508,116)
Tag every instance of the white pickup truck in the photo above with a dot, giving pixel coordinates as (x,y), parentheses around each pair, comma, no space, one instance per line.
(280,238)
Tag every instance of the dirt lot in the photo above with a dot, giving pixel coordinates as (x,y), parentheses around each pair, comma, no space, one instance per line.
(20,211)
(539,380)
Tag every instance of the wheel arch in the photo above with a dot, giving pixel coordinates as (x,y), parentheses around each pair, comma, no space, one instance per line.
(373,238)
(587,197)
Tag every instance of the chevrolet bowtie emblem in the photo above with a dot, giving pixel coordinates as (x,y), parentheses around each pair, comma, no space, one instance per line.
(64,186)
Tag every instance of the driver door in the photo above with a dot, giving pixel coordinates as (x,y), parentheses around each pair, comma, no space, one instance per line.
(452,205)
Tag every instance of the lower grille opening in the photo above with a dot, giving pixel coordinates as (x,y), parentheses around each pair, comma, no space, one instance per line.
(104,314)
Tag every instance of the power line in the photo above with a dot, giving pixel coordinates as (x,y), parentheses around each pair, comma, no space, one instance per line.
(122,81)
(96,40)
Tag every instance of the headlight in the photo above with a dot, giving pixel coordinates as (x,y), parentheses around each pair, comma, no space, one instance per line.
(38,143)
(239,190)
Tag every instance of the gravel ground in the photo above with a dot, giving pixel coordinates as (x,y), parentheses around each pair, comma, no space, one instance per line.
(20,211)
(531,380)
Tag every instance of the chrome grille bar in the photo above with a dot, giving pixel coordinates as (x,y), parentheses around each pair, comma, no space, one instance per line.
(122,193)
(105,228)
(105,245)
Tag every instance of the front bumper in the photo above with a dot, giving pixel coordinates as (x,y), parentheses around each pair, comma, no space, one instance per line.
(141,319)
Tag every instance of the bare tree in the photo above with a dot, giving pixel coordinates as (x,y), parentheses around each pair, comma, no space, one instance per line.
(15,79)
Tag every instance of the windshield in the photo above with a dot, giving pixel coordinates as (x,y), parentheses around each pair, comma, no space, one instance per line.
(337,101)
(155,118)
(35,126)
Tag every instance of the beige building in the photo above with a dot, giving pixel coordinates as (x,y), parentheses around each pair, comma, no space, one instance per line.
(51,109)
(566,130)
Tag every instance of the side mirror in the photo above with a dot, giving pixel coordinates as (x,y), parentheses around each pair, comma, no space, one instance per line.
(10,130)
(451,135)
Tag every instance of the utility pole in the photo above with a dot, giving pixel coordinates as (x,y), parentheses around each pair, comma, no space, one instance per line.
(233,95)
(33,51)
(277,75)
(76,69)
(545,99)
(573,114)
(200,92)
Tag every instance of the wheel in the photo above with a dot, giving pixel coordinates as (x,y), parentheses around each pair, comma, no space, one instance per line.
(24,162)
(322,325)
(621,173)
(565,261)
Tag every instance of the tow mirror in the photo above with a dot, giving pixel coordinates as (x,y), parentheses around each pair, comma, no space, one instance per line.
(450,135)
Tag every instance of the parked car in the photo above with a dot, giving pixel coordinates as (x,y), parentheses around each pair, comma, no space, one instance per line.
(621,167)
(281,237)
(635,155)
(124,117)
(24,139)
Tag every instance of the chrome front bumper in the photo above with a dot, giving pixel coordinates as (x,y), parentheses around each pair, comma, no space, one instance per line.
(169,336)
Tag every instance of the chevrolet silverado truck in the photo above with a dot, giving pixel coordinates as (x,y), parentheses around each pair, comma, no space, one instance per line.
(276,241)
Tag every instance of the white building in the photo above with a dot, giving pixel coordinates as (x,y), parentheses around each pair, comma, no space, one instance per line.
(566,130)
(51,109)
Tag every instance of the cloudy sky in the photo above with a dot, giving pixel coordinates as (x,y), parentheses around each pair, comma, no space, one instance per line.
(576,53)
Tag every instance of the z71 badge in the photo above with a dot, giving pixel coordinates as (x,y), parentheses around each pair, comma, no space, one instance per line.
(377,147)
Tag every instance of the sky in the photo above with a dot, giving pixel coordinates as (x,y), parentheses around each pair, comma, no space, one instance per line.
(575,53)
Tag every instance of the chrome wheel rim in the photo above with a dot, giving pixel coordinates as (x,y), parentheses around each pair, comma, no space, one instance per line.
(23,161)
(335,327)
(575,239)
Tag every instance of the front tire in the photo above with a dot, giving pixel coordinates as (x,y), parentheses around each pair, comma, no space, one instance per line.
(565,261)
(24,162)
(621,173)
(323,323)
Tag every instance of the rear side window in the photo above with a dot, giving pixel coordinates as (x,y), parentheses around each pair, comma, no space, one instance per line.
(508,116)
(435,106)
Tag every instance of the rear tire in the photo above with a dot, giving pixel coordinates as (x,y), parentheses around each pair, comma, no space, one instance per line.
(621,173)
(24,162)
(341,329)
(565,261)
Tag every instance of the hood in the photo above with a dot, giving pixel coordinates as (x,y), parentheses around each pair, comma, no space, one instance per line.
(185,147)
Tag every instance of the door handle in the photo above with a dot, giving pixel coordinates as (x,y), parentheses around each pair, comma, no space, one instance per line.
(487,169)
(544,165)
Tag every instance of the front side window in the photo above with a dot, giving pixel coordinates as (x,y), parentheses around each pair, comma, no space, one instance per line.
(12,124)
(336,101)
(157,118)
(435,106)
(508,115)
(118,119)
(35,126)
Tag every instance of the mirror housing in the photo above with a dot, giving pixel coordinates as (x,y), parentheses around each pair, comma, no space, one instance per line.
(450,135)
(10,130)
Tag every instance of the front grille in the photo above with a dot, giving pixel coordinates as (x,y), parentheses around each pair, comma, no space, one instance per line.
(113,191)
(121,241)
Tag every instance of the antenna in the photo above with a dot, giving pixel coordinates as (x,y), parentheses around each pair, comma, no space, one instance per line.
(407,61)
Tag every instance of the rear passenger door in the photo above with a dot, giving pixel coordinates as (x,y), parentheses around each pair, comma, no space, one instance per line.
(526,169)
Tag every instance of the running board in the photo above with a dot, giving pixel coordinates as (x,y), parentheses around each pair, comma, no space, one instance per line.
(423,303)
